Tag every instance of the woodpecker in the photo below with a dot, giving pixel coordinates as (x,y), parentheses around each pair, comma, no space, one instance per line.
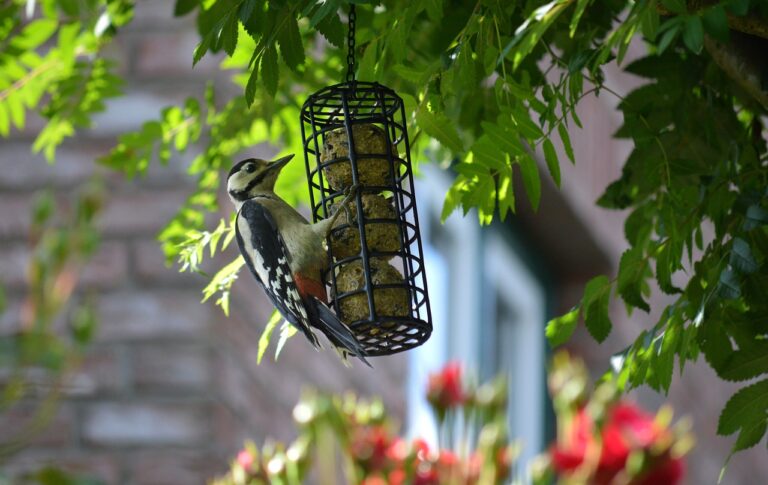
(285,253)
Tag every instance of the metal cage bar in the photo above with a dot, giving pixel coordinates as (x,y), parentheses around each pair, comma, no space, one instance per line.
(342,108)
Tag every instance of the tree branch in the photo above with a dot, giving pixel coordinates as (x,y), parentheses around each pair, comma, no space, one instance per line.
(739,66)
(749,24)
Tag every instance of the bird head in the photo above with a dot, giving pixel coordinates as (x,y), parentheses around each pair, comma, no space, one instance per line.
(253,176)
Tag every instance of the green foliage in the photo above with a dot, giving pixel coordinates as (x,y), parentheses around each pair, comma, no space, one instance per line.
(61,243)
(490,90)
(51,65)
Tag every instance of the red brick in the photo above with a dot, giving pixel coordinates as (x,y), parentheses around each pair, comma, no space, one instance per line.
(158,14)
(23,421)
(104,467)
(102,372)
(149,315)
(22,169)
(10,319)
(13,265)
(171,368)
(130,111)
(145,424)
(174,468)
(170,53)
(15,212)
(228,429)
(149,266)
(141,213)
(108,267)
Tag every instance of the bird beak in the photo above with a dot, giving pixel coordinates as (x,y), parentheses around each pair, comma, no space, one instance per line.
(280,162)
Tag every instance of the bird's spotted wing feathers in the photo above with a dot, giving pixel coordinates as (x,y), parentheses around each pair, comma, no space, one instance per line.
(265,255)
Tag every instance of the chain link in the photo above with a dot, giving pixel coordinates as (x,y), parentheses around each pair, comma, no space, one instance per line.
(351,45)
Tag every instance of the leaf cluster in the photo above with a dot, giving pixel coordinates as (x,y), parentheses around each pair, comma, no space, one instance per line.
(490,90)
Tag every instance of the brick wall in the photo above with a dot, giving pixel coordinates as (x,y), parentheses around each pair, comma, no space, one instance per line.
(170,388)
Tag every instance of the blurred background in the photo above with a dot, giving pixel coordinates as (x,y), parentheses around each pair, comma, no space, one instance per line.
(170,388)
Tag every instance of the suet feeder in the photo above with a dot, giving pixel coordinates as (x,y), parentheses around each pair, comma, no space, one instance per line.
(355,135)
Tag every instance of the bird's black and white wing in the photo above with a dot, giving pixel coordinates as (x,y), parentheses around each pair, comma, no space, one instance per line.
(266,256)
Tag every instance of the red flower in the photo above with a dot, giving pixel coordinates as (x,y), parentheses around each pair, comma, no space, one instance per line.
(503,464)
(397,477)
(627,428)
(374,480)
(444,390)
(425,474)
(398,450)
(670,471)
(245,460)
(422,449)
(474,468)
(369,447)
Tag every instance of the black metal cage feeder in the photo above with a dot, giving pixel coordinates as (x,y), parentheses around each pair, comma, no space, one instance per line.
(355,134)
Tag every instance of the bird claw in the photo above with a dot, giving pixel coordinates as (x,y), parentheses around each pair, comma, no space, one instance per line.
(352,190)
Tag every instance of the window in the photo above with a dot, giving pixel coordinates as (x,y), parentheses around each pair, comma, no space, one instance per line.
(488,312)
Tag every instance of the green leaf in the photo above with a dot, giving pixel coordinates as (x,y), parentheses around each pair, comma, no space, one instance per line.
(202,48)
(742,259)
(676,6)
(487,153)
(434,9)
(566,139)
(670,28)
(266,334)
(728,285)
(560,329)
(746,363)
(750,435)
(531,181)
(693,33)
(746,411)
(332,29)
(453,198)
(269,70)
(506,193)
(366,70)
(522,120)
(667,262)
(633,269)
(5,125)
(246,10)
(504,137)
(35,33)
(289,39)
(552,163)
(664,361)
(229,34)
(251,85)
(84,323)
(597,295)
(183,7)
(581,5)
(439,127)
(756,216)
(286,331)
(738,7)
(716,22)
(322,11)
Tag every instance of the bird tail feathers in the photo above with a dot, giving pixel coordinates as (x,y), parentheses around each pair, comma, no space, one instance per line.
(339,334)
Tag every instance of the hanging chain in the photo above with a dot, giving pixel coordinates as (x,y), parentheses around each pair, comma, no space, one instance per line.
(351,45)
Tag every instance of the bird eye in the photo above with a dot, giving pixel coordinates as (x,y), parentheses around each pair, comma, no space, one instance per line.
(250,168)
